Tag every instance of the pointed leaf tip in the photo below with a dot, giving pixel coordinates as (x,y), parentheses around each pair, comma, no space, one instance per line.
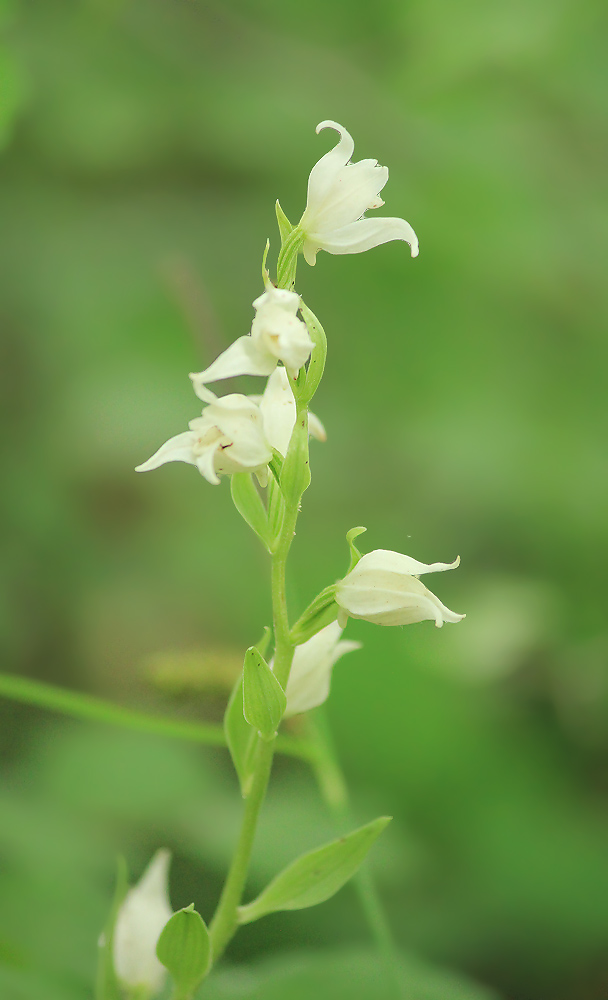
(316,876)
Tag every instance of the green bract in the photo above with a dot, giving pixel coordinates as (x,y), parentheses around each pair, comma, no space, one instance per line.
(184,949)
(315,876)
(264,700)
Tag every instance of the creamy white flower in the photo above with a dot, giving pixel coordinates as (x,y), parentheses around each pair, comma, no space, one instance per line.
(384,588)
(276,335)
(278,408)
(313,662)
(228,437)
(140,920)
(339,193)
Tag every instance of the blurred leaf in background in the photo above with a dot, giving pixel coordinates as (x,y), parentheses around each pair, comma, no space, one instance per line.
(144,143)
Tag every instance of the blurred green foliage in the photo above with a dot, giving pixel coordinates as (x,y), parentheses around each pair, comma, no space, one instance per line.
(144,143)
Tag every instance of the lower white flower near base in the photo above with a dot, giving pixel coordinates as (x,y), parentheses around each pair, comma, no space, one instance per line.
(313,662)
(140,920)
(276,335)
(228,437)
(339,192)
(384,588)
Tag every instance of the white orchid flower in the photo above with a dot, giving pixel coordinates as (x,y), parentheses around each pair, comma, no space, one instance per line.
(140,920)
(276,335)
(384,588)
(313,662)
(228,437)
(278,409)
(339,193)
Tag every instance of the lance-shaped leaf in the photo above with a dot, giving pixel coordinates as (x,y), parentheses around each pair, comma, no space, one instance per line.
(249,504)
(285,226)
(184,948)
(264,700)
(240,737)
(315,876)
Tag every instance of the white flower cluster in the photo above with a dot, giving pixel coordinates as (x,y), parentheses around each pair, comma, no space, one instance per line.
(237,433)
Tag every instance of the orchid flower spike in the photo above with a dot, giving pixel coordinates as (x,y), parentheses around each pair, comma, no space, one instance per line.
(140,920)
(276,335)
(384,588)
(278,409)
(228,437)
(313,662)
(339,193)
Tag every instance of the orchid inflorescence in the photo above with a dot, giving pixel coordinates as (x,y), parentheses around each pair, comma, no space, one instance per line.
(266,435)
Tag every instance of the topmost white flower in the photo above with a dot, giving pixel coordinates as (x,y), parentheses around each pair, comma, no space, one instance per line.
(339,193)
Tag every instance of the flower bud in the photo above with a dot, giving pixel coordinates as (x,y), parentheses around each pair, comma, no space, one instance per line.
(141,918)
(384,588)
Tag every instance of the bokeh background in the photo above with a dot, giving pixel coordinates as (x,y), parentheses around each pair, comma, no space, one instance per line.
(144,143)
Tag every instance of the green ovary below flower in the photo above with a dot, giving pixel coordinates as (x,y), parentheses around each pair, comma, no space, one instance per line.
(339,193)
(384,588)
(228,437)
(140,920)
(276,335)
(313,662)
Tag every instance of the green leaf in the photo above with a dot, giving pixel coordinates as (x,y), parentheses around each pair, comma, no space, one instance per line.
(285,226)
(264,700)
(355,555)
(106,985)
(184,948)
(315,876)
(240,737)
(249,504)
(316,364)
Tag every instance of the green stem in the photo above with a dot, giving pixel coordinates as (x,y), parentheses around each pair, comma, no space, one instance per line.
(85,706)
(224,923)
(334,791)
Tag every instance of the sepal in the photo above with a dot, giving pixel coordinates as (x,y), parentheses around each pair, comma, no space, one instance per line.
(316,876)
(184,948)
(249,504)
(264,700)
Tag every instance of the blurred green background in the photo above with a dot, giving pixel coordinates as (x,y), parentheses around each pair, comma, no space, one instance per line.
(143,146)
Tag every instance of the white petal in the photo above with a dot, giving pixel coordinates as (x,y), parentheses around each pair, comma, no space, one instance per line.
(365,234)
(310,677)
(323,174)
(282,297)
(205,463)
(310,248)
(397,562)
(241,358)
(355,188)
(278,408)
(176,449)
